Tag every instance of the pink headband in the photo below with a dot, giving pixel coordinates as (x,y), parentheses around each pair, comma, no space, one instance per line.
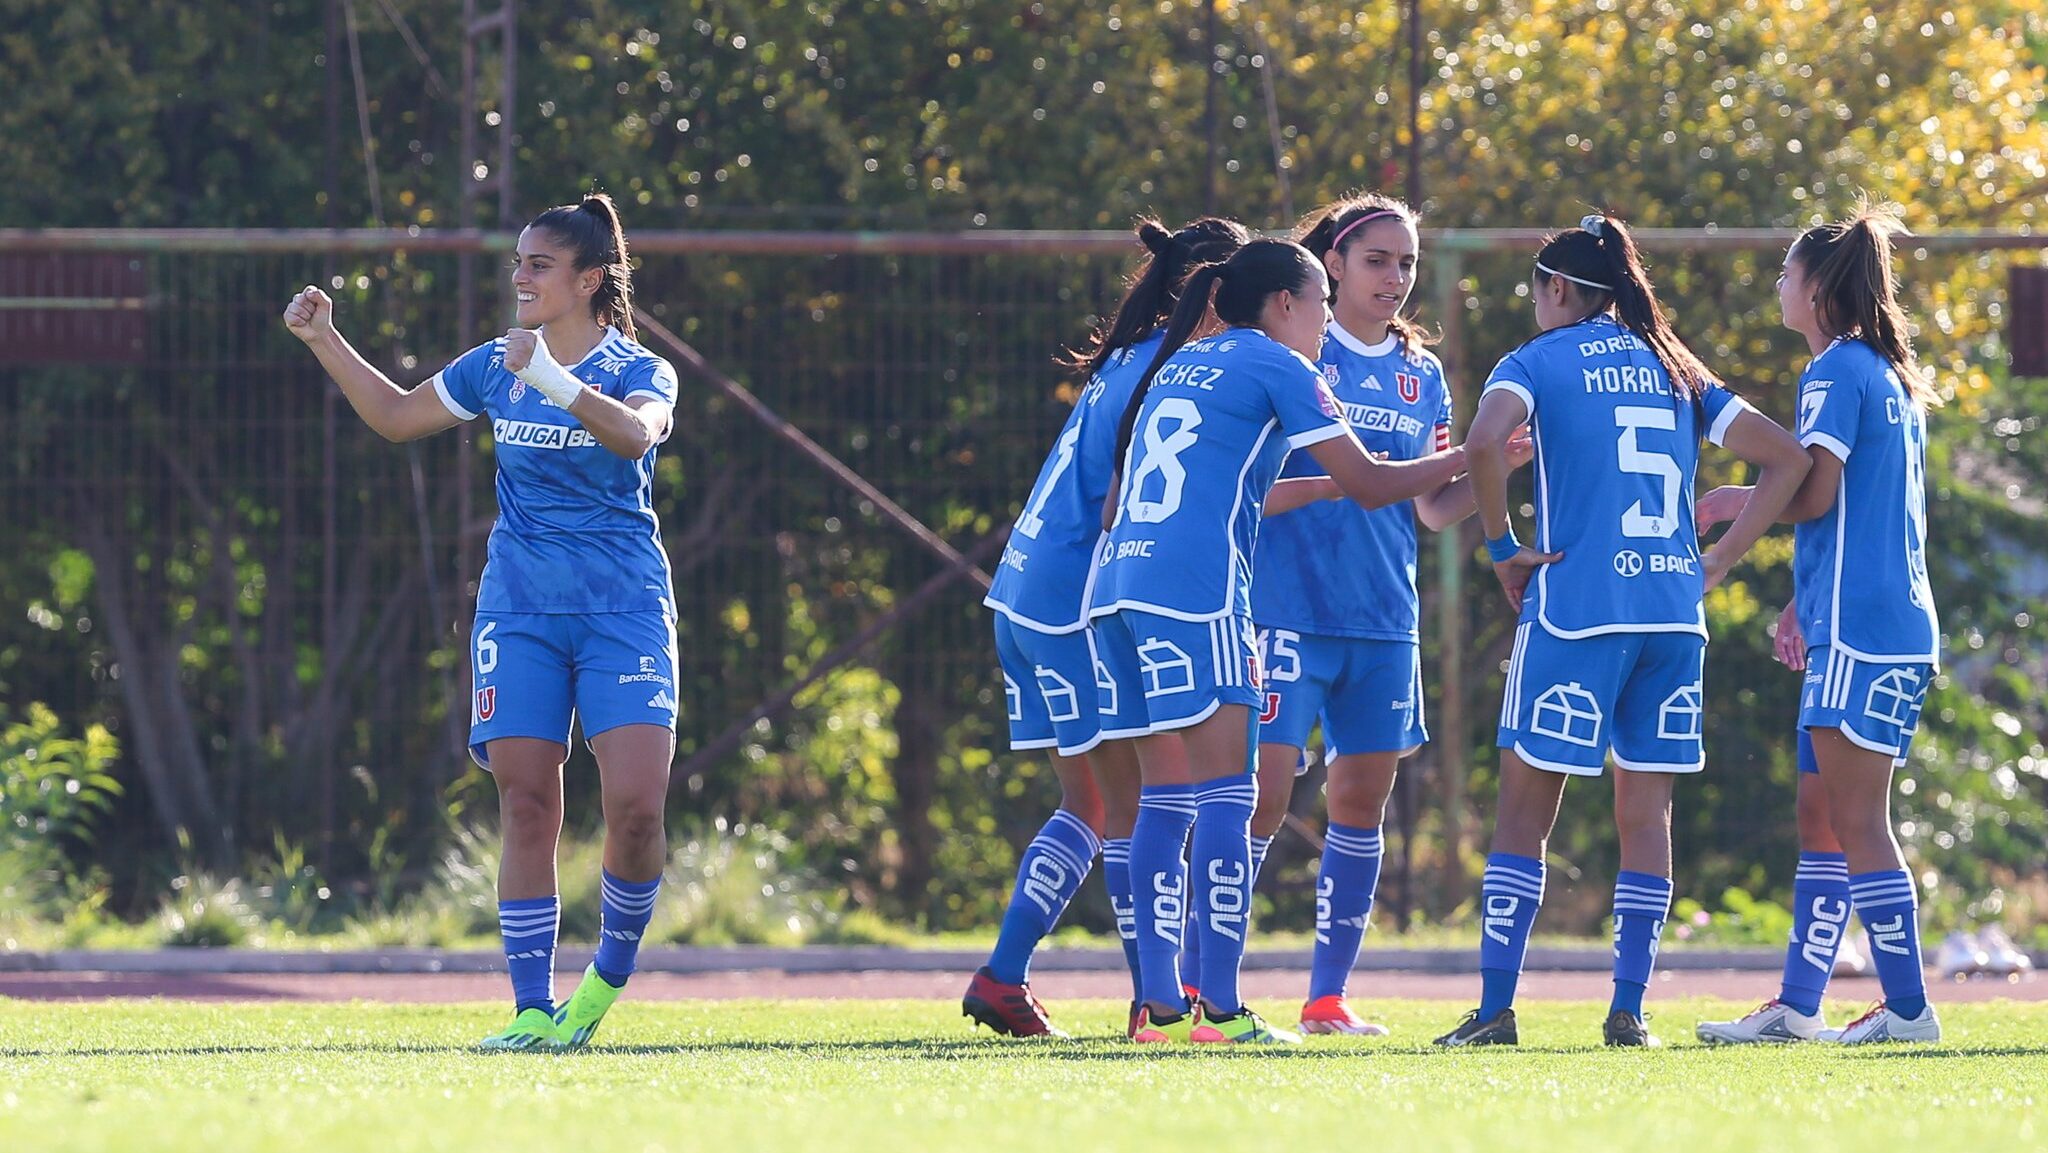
(1375,214)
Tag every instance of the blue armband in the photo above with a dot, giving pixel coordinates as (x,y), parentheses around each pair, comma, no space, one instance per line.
(1504,546)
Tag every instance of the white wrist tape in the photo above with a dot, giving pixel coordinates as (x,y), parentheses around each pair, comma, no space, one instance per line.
(543,374)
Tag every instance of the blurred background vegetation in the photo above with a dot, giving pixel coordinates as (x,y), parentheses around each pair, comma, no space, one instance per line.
(226,704)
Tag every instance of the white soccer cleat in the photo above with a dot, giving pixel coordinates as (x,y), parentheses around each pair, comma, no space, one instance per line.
(2002,957)
(1960,956)
(1771,1023)
(1881,1024)
(1852,958)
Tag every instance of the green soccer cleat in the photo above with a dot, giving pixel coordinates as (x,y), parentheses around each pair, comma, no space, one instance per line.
(577,1019)
(1241,1028)
(531,1029)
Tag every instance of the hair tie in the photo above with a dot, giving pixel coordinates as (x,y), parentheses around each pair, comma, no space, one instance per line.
(1595,224)
(1375,214)
(1542,267)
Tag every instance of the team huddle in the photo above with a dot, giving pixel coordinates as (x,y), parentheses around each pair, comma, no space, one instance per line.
(1175,653)
(1219,555)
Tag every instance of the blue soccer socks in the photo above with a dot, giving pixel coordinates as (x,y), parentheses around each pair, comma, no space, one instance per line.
(528,926)
(1048,876)
(1510,894)
(1159,887)
(1221,857)
(1820,918)
(1345,887)
(1641,902)
(1889,907)
(1116,878)
(627,906)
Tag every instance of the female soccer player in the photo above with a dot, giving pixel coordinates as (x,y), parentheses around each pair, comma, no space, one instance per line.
(573,614)
(1335,602)
(1612,636)
(1206,431)
(1040,597)
(1865,610)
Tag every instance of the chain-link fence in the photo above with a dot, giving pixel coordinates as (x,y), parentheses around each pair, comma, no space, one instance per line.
(212,554)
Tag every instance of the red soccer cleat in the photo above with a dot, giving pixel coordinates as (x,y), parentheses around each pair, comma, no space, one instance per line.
(1010,1010)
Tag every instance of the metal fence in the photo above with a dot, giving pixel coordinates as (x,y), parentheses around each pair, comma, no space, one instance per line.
(278,602)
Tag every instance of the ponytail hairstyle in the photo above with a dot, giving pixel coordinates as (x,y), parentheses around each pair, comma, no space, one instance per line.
(1338,226)
(592,231)
(1153,290)
(1239,286)
(1848,264)
(1599,258)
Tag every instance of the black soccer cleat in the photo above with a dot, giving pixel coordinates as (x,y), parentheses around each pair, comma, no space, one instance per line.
(1499,1030)
(1629,1031)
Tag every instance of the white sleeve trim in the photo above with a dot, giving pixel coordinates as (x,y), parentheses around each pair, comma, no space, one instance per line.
(1816,437)
(652,393)
(1735,407)
(1514,386)
(1318,435)
(441,390)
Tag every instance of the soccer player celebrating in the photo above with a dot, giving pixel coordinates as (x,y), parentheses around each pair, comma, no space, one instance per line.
(1040,596)
(1335,601)
(1207,430)
(1609,651)
(573,615)
(1865,613)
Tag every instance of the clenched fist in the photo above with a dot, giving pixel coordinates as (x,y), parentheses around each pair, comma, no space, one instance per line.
(310,315)
(519,346)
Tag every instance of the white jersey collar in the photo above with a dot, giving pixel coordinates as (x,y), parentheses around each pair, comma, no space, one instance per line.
(1342,336)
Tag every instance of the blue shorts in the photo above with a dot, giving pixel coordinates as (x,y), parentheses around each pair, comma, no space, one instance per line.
(1875,705)
(1168,673)
(532,671)
(1368,692)
(1052,687)
(1568,702)
(1807,764)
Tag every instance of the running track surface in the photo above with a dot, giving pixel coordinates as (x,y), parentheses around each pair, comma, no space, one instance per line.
(775,985)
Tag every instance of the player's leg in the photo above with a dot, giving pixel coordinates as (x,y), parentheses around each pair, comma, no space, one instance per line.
(1657,734)
(1820,922)
(625,694)
(1552,726)
(519,732)
(1346,884)
(1861,717)
(1061,688)
(1115,766)
(1373,719)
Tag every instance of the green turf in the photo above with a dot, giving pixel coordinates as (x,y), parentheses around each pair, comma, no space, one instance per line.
(899,1076)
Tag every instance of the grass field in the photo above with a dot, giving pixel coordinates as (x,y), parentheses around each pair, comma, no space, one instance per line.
(861,1075)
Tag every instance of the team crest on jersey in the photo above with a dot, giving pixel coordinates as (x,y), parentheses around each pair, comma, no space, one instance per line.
(518,390)
(486,702)
(1331,374)
(1409,386)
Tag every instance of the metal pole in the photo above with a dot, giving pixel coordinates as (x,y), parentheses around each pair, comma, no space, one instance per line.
(1209,103)
(1414,19)
(1453,743)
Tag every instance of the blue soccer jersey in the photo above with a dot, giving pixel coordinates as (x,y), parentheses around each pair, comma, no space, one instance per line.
(1332,568)
(1860,571)
(576,530)
(1615,455)
(1042,583)
(1209,441)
